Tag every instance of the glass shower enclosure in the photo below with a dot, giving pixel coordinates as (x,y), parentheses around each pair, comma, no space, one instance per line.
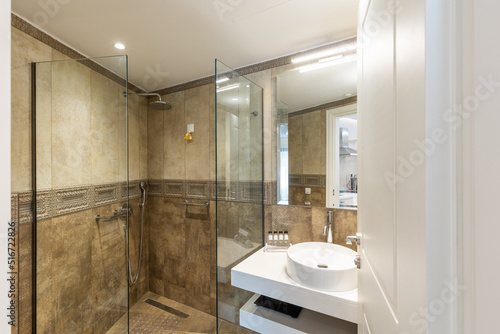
(239,186)
(80,178)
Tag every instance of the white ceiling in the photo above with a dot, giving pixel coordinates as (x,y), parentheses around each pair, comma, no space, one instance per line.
(174,41)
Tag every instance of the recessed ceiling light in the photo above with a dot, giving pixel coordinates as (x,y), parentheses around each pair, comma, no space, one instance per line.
(236,99)
(119,46)
(348,94)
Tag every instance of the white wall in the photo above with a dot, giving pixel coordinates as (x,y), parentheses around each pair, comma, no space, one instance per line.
(5,154)
(481,162)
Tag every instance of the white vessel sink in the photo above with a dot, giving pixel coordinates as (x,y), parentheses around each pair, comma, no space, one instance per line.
(322,266)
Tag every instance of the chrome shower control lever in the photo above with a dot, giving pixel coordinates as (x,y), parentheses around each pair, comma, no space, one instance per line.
(126,208)
(353,239)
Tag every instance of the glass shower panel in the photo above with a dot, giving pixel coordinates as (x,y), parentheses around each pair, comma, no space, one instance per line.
(239,185)
(80,282)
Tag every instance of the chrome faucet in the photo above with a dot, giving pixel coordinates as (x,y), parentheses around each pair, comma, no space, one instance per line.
(327,229)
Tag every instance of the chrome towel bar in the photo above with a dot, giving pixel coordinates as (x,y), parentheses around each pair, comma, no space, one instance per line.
(194,204)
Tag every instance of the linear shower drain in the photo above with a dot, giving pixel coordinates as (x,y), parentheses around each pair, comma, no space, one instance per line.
(166,308)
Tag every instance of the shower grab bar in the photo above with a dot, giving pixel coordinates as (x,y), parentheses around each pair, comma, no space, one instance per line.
(194,204)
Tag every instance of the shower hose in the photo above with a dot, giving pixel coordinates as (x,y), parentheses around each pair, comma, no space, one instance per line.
(133,279)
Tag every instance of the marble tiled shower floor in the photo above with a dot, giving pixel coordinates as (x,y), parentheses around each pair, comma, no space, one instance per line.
(148,319)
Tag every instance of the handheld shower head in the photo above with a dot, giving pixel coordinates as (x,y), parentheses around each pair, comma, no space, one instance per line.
(143,185)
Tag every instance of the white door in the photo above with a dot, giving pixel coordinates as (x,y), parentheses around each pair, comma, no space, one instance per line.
(391,211)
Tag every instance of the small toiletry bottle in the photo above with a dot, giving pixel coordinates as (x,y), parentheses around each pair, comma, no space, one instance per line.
(270,238)
(275,236)
(281,235)
(286,235)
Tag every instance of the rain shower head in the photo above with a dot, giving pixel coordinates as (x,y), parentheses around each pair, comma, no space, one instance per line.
(160,105)
(156,105)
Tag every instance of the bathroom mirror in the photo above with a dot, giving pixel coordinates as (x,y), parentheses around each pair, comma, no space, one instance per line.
(316,128)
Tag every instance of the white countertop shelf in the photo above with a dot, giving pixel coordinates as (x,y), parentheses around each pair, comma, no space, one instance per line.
(264,321)
(265,273)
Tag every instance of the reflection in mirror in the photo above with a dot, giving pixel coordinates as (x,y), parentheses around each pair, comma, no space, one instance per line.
(316,126)
(283,153)
(341,155)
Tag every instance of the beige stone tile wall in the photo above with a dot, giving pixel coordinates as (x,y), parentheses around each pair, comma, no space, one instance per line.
(297,196)
(182,252)
(81,124)
(197,112)
(81,127)
(138,290)
(307,143)
(305,223)
(264,80)
(24,50)
(138,138)
(174,129)
(82,282)
(71,125)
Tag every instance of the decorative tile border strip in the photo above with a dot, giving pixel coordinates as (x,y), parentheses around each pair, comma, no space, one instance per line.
(63,201)
(294,180)
(242,191)
(270,192)
(197,189)
(251,191)
(174,188)
(155,187)
(25,207)
(14,208)
(69,201)
(44,204)
(179,188)
(105,194)
(307,180)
